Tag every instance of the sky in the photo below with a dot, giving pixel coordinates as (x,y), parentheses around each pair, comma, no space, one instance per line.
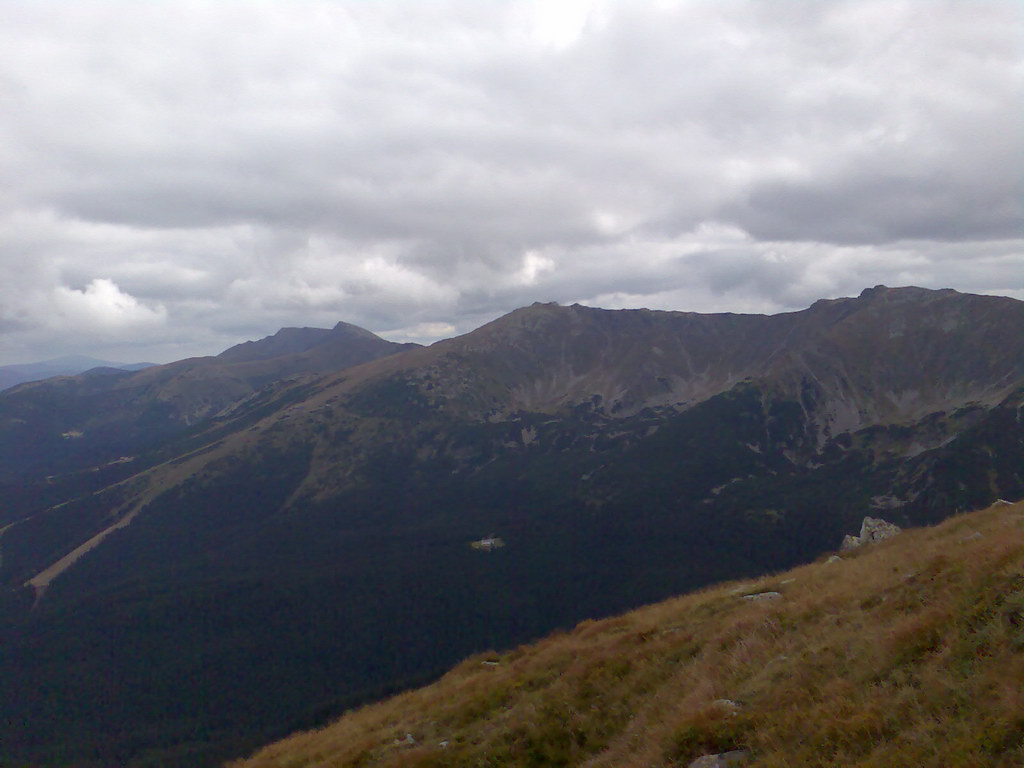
(179,176)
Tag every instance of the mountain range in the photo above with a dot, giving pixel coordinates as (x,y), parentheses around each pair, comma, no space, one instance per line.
(202,556)
(68,365)
(53,430)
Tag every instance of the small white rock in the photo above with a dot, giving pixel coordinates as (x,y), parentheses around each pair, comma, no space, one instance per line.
(763,596)
(740,588)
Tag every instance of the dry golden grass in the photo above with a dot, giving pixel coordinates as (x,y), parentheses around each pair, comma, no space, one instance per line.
(907,654)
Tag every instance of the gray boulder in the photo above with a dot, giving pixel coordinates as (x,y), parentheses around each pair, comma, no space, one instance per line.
(872,529)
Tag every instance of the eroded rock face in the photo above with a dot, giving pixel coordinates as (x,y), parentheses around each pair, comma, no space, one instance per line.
(850,542)
(872,529)
(875,529)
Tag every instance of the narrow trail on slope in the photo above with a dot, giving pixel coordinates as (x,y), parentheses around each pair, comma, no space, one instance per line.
(42,580)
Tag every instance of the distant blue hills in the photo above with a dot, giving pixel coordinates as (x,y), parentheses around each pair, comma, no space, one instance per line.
(68,365)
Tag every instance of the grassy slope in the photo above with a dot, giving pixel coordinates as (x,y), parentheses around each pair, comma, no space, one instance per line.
(908,652)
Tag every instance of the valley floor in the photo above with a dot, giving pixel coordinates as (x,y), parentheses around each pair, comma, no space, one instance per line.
(908,652)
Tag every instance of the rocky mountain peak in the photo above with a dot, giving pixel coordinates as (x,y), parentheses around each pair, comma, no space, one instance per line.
(290,341)
(905,293)
(890,353)
(353,330)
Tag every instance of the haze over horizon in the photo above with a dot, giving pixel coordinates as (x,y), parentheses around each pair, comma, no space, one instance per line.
(183,176)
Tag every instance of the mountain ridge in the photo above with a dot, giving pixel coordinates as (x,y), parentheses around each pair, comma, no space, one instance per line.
(295,340)
(66,365)
(125,413)
(339,506)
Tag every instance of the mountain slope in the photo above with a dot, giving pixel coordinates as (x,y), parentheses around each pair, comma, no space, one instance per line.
(904,653)
(57,431)
(892,358)
(324,521)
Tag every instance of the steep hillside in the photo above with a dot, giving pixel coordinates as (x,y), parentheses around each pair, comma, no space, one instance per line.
(906,652)
(60,436)
(324,521)
(892,354)
(914,366)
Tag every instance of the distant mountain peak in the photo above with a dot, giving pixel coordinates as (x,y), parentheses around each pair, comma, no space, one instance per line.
(353,330)
(869,292)
(905,293)
(289,341)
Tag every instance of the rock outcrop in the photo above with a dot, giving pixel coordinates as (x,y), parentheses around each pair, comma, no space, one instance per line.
(872,529)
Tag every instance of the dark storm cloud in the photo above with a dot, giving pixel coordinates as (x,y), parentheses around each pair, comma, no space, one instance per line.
(185,174)
(880,208)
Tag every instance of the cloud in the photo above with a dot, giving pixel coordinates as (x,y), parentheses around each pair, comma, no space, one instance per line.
(103,308)
(232,168)
(422,332)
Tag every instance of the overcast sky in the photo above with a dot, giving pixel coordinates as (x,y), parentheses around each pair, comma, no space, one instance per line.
(180,176)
